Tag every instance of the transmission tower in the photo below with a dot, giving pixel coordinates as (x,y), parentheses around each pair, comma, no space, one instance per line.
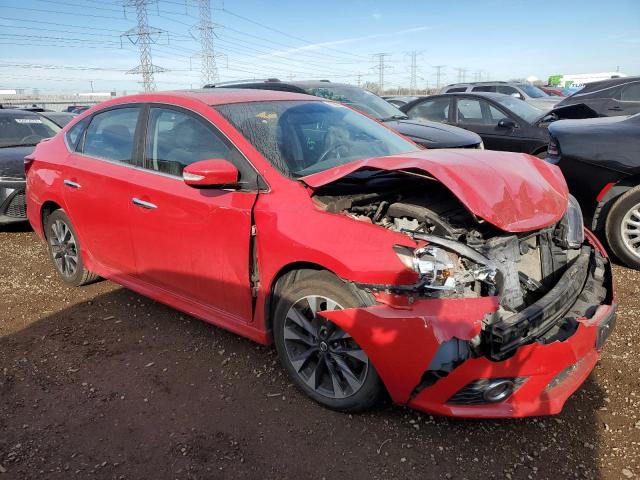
(381,67)
(359,79)
(208,68)
(144,36)
(413,73)
(462,75)
(438,74)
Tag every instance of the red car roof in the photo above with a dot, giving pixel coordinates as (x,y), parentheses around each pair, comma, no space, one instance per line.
(217,96)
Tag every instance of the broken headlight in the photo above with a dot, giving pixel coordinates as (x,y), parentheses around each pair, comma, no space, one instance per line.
(571,227)
(440,269)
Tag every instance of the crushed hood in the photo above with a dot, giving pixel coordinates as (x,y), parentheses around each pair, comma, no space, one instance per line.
(513,191)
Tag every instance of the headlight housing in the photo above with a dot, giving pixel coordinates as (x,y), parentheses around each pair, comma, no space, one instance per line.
(440,269)
(573,224)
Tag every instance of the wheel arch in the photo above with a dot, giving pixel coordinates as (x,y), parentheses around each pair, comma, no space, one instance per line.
(609,198)
(47,209)
(293,272)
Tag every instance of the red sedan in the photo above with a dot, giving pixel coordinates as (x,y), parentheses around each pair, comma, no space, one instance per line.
(462,282)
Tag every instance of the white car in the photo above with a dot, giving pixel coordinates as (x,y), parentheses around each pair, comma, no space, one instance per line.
(523,91)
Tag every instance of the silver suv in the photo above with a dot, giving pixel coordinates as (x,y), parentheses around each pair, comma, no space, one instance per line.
(523,91)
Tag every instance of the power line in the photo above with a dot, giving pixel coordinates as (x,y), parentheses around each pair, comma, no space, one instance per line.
(143,36)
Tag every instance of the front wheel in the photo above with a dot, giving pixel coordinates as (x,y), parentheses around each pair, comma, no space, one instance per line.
(321,359)
(64,250)
(623,228)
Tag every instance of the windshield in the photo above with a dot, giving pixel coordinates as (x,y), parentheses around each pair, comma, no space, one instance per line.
(304,137)
(521,108)
(533,92)
(21,130)
(359,99)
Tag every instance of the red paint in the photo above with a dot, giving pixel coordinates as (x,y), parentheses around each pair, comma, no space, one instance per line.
(513,191)
(193,251)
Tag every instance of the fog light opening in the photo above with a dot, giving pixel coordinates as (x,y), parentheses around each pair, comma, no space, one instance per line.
(498,390)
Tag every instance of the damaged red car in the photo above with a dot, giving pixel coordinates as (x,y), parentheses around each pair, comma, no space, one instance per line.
(458,282)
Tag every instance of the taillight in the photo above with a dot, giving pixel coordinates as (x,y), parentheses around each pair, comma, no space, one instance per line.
(553,150)
(28,161)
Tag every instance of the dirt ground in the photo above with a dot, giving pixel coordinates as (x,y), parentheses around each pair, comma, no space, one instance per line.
(100,382)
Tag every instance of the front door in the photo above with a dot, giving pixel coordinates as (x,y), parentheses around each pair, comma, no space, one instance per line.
(96,188)
(483,118)
(627,103)
(191,242)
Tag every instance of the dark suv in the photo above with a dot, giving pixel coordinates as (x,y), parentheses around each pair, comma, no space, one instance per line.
(427,134)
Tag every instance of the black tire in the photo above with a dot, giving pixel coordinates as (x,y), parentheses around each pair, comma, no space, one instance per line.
(66,257)
(619,216)
(327,285)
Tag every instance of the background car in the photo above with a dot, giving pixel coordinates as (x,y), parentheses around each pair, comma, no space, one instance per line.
(601,163)
(503,122)
(523,91)
(618,96)
(552,91)
(400,100)
(427,134)
(20,131)
(450,280)
(59,118)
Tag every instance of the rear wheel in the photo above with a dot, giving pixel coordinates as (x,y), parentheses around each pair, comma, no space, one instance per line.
(320,358)
(623,228)
(64,250)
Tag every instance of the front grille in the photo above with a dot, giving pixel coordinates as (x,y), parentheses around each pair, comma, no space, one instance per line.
(17,207)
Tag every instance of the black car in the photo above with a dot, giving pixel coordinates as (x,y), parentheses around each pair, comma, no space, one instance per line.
(600,159)
(428,134)
(59,118)
(503,122)
(20,131)
(613,97)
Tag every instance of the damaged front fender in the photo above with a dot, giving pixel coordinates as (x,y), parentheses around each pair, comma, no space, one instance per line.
(401,342)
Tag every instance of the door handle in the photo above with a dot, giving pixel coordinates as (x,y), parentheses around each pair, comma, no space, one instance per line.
(71,184)
(616,108)
(143,204)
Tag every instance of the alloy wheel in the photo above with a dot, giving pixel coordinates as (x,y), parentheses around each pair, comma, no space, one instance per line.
(64,248)
(324,356)
(630,230)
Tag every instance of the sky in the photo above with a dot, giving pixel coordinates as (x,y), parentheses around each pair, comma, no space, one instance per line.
(70,46)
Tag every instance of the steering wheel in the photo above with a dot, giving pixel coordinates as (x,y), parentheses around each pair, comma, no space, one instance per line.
(326,153)
(33,136)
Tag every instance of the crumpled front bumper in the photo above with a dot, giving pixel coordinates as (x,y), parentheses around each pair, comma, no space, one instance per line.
(402,340)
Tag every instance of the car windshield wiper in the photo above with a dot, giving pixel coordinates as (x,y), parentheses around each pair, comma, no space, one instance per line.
(394,117)
(19,145)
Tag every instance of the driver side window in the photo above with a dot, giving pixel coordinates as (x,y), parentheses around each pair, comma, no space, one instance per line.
(176,139)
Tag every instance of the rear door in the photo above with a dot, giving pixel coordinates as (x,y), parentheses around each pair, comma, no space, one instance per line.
(96,187)
(193,243)
(626,101)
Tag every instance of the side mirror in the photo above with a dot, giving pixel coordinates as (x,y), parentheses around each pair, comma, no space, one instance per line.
(517,95)
(211,173)
(507,123)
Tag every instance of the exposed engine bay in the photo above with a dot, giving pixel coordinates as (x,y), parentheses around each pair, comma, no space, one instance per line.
(464,256)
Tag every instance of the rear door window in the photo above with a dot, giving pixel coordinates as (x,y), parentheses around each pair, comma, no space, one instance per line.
(484,88)
(110,134)
(631,93)
(436,110)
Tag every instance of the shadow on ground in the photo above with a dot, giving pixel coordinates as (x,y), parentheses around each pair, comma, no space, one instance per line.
(123,387)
